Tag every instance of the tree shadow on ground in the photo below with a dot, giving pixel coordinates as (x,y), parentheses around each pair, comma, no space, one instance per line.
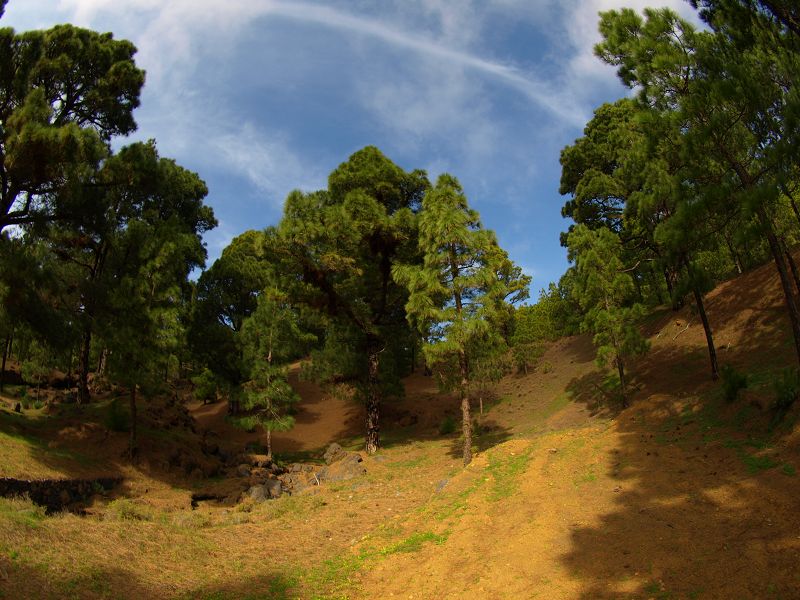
(486,435)
(705,505)
(25,582)
(698,512)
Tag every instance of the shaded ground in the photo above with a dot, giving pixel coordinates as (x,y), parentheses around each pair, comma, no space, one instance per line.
(680,496)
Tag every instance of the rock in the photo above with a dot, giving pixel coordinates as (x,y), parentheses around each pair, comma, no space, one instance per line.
(258,476)
(258,493)
(348,467)
(243,470)
(261,461)
(273,487)
(441,485)
(334,453)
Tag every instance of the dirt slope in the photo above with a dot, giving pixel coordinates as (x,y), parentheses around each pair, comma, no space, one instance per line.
(680,496)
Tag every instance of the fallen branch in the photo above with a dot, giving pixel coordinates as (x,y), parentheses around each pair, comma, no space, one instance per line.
(681,331)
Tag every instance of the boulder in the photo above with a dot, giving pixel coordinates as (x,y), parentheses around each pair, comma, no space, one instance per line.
(258,476)
(348,467)
(334,453)
(258,493)
(243,470)
(273,487)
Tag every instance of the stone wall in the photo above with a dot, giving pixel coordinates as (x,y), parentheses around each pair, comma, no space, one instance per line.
(56,494)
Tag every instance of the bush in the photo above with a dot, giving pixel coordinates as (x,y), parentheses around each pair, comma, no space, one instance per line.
(787,389)
(447,426)
(117,418)
(732,383)
(123,509)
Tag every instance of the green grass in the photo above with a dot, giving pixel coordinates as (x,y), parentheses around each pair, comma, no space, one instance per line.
(21,511)
(505,472)
(753,462)
(788,469)
(414,543)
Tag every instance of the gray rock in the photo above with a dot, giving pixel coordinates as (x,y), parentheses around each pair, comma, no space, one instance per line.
(334,453)
(258,493)
(243,470)
(273,487)
(346,468)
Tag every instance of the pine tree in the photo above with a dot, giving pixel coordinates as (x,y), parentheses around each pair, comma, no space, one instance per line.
(459,289)
(604,290)
(271,337)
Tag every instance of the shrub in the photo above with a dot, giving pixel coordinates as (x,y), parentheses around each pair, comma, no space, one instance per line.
(787,389)
(127,510)
(117,418)
(447,426)
(732,383)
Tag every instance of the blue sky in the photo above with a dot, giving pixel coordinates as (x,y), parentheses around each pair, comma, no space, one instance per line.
(264,96)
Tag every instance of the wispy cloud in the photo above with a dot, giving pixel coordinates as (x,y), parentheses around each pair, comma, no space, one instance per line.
(171,27)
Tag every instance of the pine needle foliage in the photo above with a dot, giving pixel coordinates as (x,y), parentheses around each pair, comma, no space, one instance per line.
(461,290)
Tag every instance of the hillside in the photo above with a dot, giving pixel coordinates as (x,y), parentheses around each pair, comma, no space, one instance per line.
(680,496)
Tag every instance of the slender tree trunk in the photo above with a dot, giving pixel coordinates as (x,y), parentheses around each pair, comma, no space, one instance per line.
(5,356)
(793,204)
(737,262)
(269,443)
(793,269)
(712,352)
(373,396)
(101,364)
(669,277)
(133,448)
(83,366)
(780,264)
(622,384)
(466,417)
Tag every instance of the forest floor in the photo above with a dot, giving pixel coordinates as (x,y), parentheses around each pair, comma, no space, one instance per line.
(682,495)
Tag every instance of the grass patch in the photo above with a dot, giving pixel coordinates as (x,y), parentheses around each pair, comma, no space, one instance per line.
(21,511)
(414,543)
(505,472)
(411,463)
(587,476)
(753,462)
(788,469)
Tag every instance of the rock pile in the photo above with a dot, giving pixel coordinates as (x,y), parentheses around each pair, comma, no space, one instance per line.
(266,480)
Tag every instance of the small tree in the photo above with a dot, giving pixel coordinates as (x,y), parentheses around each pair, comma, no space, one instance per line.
(604,289)
(490,363)
(460,289)
(271,337)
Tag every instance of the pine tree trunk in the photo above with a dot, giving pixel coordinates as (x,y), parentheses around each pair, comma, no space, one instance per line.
(466,418)
(737,262)
(269,444)
(101,365)
(780,264)
(669,277)
(83,367)
(793,269)
(5,356)
(622,384)
(133,449)
(373,397)
(712,352)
